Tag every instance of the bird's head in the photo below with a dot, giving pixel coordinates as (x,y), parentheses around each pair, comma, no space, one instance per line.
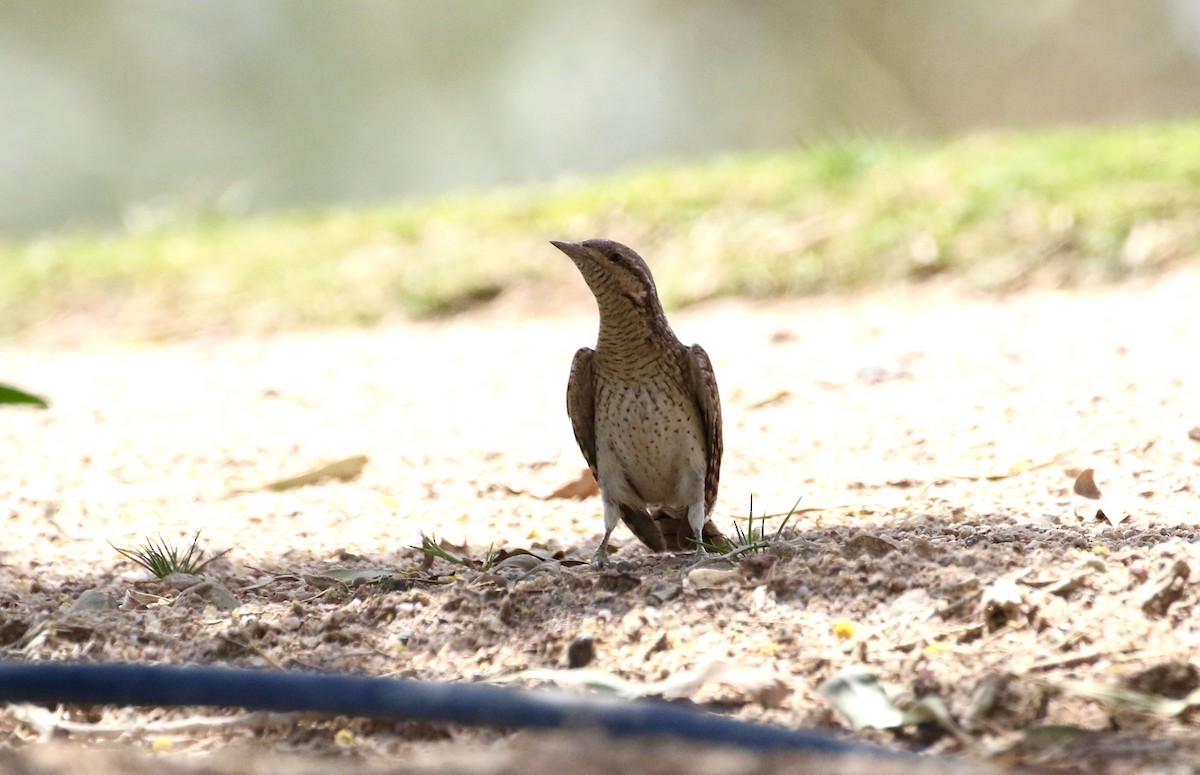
(613,271)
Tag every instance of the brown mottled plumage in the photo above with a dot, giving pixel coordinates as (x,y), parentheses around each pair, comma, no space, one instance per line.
(644,408)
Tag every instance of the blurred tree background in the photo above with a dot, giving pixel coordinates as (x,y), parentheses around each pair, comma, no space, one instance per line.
(114,109)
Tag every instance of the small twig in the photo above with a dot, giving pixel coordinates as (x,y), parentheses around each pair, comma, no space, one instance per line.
(253,649)
(805,510)
(935,633)
(791,542)
(1017,471)
(1069,660)
(914,500)
(270,580)
(47,722)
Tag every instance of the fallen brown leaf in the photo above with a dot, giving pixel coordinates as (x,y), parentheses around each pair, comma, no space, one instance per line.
(583,487)
(775,398)
(1085,484)
(1092,504)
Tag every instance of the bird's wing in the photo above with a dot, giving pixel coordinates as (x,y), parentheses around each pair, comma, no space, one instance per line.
(708,401)
(581,405)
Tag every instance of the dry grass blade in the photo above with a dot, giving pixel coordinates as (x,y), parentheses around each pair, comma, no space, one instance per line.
(1021,468)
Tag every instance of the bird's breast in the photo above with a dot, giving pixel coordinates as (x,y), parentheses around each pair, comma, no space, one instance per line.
(649,442)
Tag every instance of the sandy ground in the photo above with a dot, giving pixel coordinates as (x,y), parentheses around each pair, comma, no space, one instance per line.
(932,440)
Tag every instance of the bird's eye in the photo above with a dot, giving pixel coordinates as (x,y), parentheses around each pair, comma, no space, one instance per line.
(616,257)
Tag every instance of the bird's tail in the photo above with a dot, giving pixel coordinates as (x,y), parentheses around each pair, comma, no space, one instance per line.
(677,534)
(645,527)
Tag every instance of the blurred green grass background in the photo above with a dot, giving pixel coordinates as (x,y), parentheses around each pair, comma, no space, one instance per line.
(992,212)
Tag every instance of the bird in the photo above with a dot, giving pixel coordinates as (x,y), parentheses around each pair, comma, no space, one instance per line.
(644,408)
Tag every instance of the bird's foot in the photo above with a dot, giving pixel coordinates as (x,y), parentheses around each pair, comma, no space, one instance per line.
(601,561)
(698,557)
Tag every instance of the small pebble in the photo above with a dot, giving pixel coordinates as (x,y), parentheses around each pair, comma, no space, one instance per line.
(581,652)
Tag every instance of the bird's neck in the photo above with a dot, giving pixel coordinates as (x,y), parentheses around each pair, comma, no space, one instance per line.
(632,333)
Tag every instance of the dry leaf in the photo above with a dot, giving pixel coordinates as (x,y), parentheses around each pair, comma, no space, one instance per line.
(533,556)
(857,695)
(1085,484)
(343,470)
(1065,587)
(781,336)
(1020,467)
(762,685)
(1194,433)
(1128,699)
(519,561)
(137,597)
(583,487)
(1091,503)
(758,685)
(503,489)
(776,398)
(350,577)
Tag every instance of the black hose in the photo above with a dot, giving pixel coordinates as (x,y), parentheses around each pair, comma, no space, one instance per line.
(456,703)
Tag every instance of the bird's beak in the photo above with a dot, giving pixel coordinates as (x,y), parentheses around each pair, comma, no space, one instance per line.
(574,250)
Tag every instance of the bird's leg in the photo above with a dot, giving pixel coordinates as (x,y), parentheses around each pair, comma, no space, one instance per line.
(612,515)
(696,519)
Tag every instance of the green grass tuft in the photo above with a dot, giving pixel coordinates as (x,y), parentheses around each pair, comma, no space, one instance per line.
(754,539)
(433,549)
(162,559)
